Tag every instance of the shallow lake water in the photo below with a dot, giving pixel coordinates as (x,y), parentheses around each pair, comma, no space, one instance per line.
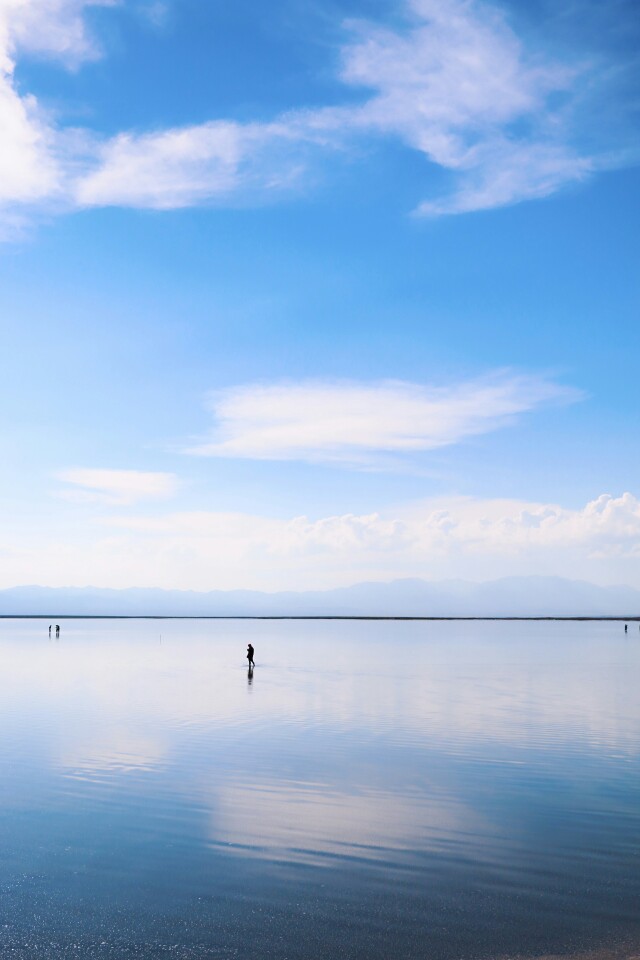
(375,790)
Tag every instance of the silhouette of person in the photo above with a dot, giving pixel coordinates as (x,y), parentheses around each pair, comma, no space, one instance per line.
(57,629)
(626,627)
(250,652)
(49,631)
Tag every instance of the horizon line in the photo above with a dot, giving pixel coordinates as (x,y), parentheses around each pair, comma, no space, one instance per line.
(153,616)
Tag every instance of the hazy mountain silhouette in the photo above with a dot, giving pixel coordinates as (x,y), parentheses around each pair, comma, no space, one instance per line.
(510,596)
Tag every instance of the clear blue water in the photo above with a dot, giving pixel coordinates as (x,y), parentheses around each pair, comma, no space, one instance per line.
(375,790)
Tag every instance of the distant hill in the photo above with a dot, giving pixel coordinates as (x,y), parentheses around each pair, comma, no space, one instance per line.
(510,596)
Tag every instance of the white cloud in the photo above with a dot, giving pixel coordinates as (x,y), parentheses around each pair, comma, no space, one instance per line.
(448,537)
(28,168)
(117,486)
(55,29)
(506,173)
(605,526)
(351,422)
(454,82)
(175,168)
(37,159)
(463,537)
(454,86)
(239,534)
(213,162)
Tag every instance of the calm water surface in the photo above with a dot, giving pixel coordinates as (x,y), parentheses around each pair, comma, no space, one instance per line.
(375,790)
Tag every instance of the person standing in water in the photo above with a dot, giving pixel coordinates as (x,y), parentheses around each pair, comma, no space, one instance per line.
(250,652)
(49,631)
(626,627)
(57,629)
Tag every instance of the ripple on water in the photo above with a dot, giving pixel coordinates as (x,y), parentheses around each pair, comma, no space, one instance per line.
(462,791)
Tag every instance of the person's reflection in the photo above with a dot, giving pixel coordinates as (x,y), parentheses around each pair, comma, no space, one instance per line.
(250,675)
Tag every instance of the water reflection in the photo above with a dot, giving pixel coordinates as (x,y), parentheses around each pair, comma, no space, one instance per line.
(319,824)
(111,753)
(463,790)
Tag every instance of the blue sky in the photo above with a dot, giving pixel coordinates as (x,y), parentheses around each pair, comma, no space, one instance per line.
(301,296)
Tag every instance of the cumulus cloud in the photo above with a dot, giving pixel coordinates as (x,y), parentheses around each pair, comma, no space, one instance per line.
(242,533)
(464,537)
(116,486)
(453,81)
(352,422)
(450,537)
(605,526)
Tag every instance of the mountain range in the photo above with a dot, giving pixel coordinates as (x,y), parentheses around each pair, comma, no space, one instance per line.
(508,597)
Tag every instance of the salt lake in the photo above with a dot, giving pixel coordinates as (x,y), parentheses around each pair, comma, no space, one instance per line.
(374,789)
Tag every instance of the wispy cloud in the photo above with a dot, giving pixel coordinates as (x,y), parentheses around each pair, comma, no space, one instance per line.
(459,86)
(454,82)
(350,423)
(504,172)
(155,12)
(217,162)
(117,487)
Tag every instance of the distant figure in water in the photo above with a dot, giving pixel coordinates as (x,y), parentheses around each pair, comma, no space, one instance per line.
(57,629)
(250,652)
(626,627)
(49,631)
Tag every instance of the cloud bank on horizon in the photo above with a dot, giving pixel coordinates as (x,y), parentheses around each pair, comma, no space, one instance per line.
(441,538)
(452,80)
